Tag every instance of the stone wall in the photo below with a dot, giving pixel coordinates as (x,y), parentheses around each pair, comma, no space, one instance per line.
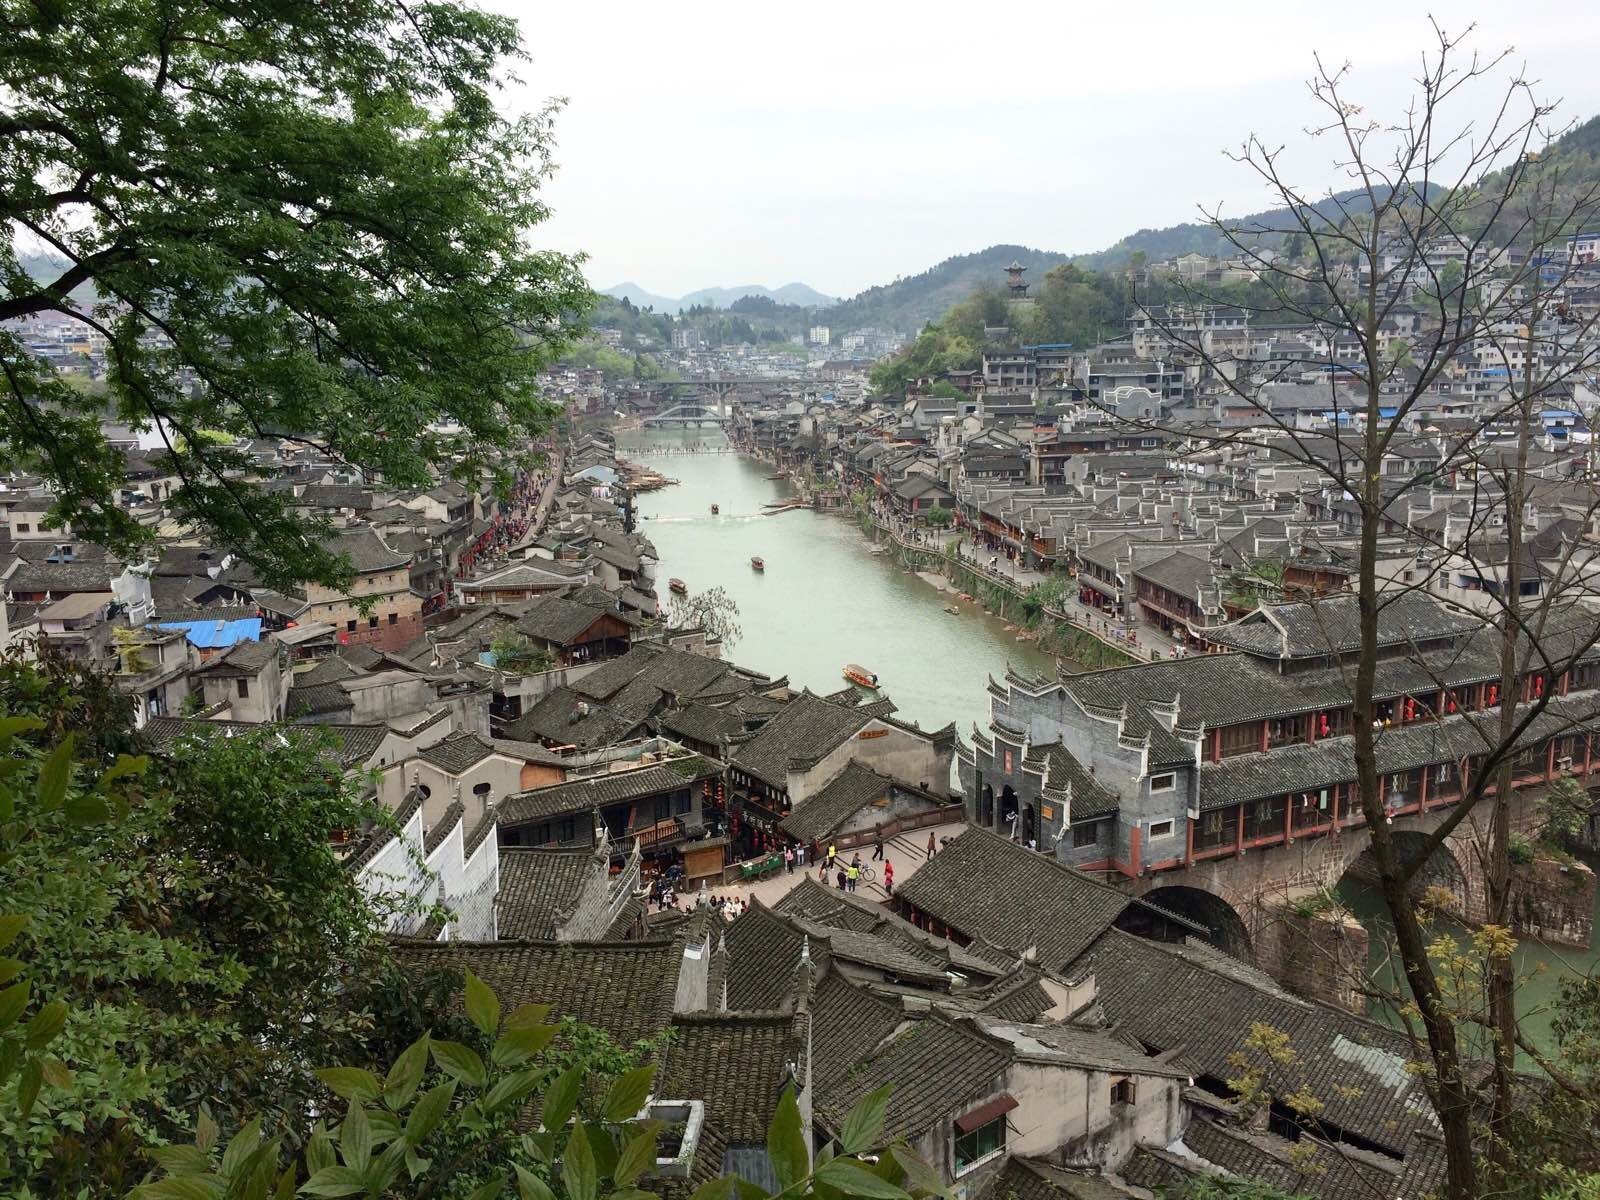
(1319,955)
(1554,902)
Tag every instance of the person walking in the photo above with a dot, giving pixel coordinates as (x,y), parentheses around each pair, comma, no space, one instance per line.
(877,846)
(788,860)
(853,874)
(931,844)
(888,878)
(843,879)
(833,854)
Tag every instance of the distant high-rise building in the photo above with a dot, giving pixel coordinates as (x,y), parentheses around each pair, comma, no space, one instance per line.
(818,335)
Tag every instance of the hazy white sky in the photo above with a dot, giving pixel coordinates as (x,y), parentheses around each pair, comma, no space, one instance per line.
(843,144)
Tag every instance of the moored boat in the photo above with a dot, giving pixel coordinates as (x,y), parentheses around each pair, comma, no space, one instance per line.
(860,676)
(678,586)
(952,610)
(715,509)
(757,564)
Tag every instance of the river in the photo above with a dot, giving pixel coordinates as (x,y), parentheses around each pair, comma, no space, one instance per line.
(1539,968)
(823,600)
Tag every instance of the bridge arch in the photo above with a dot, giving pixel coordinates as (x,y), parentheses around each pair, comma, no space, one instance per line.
(1225,928)
(1444,868)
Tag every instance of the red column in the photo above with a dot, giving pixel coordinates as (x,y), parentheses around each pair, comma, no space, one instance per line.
(1133,849)
(1188,844)
(1238,832)
(1288,819)
(1422,792)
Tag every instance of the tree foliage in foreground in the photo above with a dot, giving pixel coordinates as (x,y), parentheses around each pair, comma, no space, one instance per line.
(307,219)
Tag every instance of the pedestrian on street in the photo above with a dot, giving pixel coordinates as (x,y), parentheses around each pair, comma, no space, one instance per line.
(788,860)
(853,874)
(800,855)
(877,848)
(843,879)
(931,844)
(888,878)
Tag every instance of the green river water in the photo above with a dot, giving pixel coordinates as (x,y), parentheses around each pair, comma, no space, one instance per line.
(823,600)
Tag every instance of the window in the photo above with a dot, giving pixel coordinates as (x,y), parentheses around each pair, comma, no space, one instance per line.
(1086,834)
(244,688)
(394,618)
(1163,783)
(1123,1092)
(681,804)
(1160,829)
(350,626)
(987,1139)
(372,622)
(569,829)
(663,807)
(22,527)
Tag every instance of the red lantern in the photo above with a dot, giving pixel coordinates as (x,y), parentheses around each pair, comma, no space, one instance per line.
(1411,709)
(1494,694)
(1322,725)
(1538,685)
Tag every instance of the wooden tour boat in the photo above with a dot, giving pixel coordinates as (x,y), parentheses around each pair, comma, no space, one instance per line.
(860,676)
(715,509)
(757,564)
(678,586)
(952,610)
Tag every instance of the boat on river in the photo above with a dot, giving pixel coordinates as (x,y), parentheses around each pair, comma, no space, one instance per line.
(715,509)
(860,676)
(757,564)
(952,610)
(678,586)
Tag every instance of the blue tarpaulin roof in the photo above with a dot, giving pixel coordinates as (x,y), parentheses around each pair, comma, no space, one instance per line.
(212,635)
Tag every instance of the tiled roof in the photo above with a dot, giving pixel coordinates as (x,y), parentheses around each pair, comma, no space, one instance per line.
(763,956)
(569,719)
(1308,1167)
(368,552)
(807,728)
(537,886)
(557,620)
(457,753)
(353,743)
(316,700)
(668,670)
(1162,1171)
(624,988)
(1021,1179)
(974,883)
(846,794)
(1171,998)
(847,1023)
(440,829)
(1332,625)
(938,1067)
(738,1063)
(701,722)
(1091,799)
(616,787)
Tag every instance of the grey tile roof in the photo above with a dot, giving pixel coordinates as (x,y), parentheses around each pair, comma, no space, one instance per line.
(974,884)
(617,787)
(763,956)
(367,551)
(1331,625)
(938,1068)
(457,752)
(738,1063)
(847,1023)
(566,718)
(1171,998)
(353,743)
(1021,1179)
(440,829)
(317,700)
(807,728)
(1091,799)
(701,722)
(557,620)
(624,988)
(1315,1168)
(536,887)
(846,794)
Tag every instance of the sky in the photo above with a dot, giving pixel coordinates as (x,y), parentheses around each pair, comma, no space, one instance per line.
(842,145)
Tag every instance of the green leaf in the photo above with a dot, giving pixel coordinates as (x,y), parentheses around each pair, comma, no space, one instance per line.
(241,1147)
(405,1074)
(786,1143)
(12,1001)
(11,924)
(285,1188)
(319,1150)
(577,1167)
(126,764)
(490,1190)
(721,1188)
(919,1174)
(350,1083)
(10,968)
(483,1006)
(461,1062)
(530,1186)
(863,1127)
(386,1166)
(205,1130)
(28,1086)
(333,1181)
(45,1025)
(416,1164)
(561,1097)
(518,1045)
(512,1089)
(355,1138)
(89,808)
(183,1187)
(603,1146)
(527,1016)
(54,775)
(181,1160)
(430,1110)
(628,1093)
(637,1157)
(56,1073)
(854,1180)
(11,726)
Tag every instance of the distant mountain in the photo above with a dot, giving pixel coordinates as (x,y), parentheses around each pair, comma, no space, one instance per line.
(798,294)
(911,302)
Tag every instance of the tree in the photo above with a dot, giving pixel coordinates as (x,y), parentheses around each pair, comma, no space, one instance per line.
(309,221)
(938,518)
(516,654)
(1429,190)
(712,610)
(187,910)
